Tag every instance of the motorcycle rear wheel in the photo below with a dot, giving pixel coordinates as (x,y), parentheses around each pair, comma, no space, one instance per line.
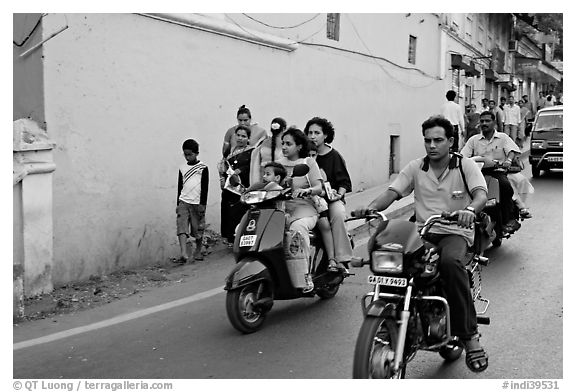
(375,347)
(240,309)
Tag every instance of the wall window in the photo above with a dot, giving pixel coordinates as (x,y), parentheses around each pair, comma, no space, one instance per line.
(412,50)
(333,27)
(468,32)
(480,37)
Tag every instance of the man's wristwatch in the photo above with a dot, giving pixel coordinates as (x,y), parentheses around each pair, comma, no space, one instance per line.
(471,209)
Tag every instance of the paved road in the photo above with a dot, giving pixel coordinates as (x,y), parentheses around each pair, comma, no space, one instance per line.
(309,338)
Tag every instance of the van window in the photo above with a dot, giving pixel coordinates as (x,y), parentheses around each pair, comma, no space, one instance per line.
(549,121)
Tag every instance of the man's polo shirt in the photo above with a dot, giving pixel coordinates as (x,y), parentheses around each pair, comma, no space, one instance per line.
(434,195)
(498,147)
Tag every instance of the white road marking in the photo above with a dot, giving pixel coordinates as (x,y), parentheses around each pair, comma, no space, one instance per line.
(117,319)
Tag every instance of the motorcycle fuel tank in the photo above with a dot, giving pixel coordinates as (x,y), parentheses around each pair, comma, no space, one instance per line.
(399,232)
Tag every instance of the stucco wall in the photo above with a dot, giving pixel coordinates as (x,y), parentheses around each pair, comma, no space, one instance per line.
(123,91)
(28,85)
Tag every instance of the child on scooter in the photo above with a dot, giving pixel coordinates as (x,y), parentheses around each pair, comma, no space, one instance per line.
(273,176)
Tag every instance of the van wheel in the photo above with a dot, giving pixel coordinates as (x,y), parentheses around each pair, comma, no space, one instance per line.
(535,171)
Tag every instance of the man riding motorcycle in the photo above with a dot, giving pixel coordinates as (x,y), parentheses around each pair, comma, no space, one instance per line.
(490,146)
(439,187)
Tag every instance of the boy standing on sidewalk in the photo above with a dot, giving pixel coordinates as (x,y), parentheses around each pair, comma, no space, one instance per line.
(192,198)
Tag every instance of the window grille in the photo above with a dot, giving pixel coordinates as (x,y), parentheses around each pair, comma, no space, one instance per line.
(333,27)
(412,50)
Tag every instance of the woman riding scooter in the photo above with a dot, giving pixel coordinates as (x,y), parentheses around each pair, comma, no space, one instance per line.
(303,214)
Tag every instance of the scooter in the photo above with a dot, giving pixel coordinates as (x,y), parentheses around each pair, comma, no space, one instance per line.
(492,208)
(406,311)
(262,272)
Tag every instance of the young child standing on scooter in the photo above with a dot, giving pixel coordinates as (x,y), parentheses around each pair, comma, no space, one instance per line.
(323,220)
(192,198)
(272,178)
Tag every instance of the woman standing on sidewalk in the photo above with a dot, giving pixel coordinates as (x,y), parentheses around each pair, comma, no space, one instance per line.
(320,131)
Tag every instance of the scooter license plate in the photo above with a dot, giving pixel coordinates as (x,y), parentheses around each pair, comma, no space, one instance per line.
(388,281)
(247,240)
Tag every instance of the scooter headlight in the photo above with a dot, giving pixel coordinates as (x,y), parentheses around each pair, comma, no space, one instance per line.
(253,197)
(384,261)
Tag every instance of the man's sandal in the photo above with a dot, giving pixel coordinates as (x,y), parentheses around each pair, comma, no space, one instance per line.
(478,357)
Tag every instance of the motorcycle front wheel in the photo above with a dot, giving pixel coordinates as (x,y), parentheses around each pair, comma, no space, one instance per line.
(241,311)
(375,348)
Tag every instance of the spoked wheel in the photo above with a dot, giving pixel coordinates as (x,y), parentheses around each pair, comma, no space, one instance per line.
(375,349)
(452,351)
(241,311)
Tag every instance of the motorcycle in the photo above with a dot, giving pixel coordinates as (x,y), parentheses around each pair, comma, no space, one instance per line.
(407,311)
(262,271)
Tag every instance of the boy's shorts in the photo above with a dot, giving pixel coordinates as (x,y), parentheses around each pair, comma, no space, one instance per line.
(190,219)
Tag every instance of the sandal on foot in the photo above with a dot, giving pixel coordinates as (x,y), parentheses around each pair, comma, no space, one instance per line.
(478,357)
(525,213)
(181,260)
(333,266)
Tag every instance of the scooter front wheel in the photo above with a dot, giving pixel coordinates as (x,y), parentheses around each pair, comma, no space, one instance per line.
(242,313)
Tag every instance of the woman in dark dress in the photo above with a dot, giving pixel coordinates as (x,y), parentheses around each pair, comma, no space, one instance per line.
(234,178)
(321,132)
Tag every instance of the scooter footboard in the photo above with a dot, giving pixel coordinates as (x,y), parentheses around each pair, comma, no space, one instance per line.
(247,271)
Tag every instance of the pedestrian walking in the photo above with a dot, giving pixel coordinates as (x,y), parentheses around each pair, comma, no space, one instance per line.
(191,203)
(234,173)
(473,119)
(512,119)
(267,150)
(498,114)
(244,117)
(453,112)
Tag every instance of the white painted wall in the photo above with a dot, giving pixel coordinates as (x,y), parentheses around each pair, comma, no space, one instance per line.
(123,91)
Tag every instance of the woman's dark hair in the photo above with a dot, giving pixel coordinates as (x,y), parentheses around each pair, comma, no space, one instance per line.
(245,128)
(243,109)
(300,139)
(282,123)
(312,146)
(438,121)
(327,128)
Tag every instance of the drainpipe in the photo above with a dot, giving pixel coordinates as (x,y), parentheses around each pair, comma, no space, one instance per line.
(33,165)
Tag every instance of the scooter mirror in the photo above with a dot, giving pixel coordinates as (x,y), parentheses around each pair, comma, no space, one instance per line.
(300,170)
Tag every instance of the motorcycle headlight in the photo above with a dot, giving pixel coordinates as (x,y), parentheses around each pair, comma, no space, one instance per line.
(384,261)
(538,144)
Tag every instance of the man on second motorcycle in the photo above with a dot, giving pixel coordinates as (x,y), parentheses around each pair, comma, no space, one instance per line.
(490,146)
(439,187)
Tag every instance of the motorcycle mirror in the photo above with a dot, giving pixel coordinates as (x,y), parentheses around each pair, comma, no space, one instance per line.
(300,170)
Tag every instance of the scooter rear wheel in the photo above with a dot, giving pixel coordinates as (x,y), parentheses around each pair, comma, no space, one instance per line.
(241,311)
(375,349)
(328,292)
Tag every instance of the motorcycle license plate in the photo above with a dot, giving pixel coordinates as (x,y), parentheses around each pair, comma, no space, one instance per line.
(388,281)
(555,159)
(247,240)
